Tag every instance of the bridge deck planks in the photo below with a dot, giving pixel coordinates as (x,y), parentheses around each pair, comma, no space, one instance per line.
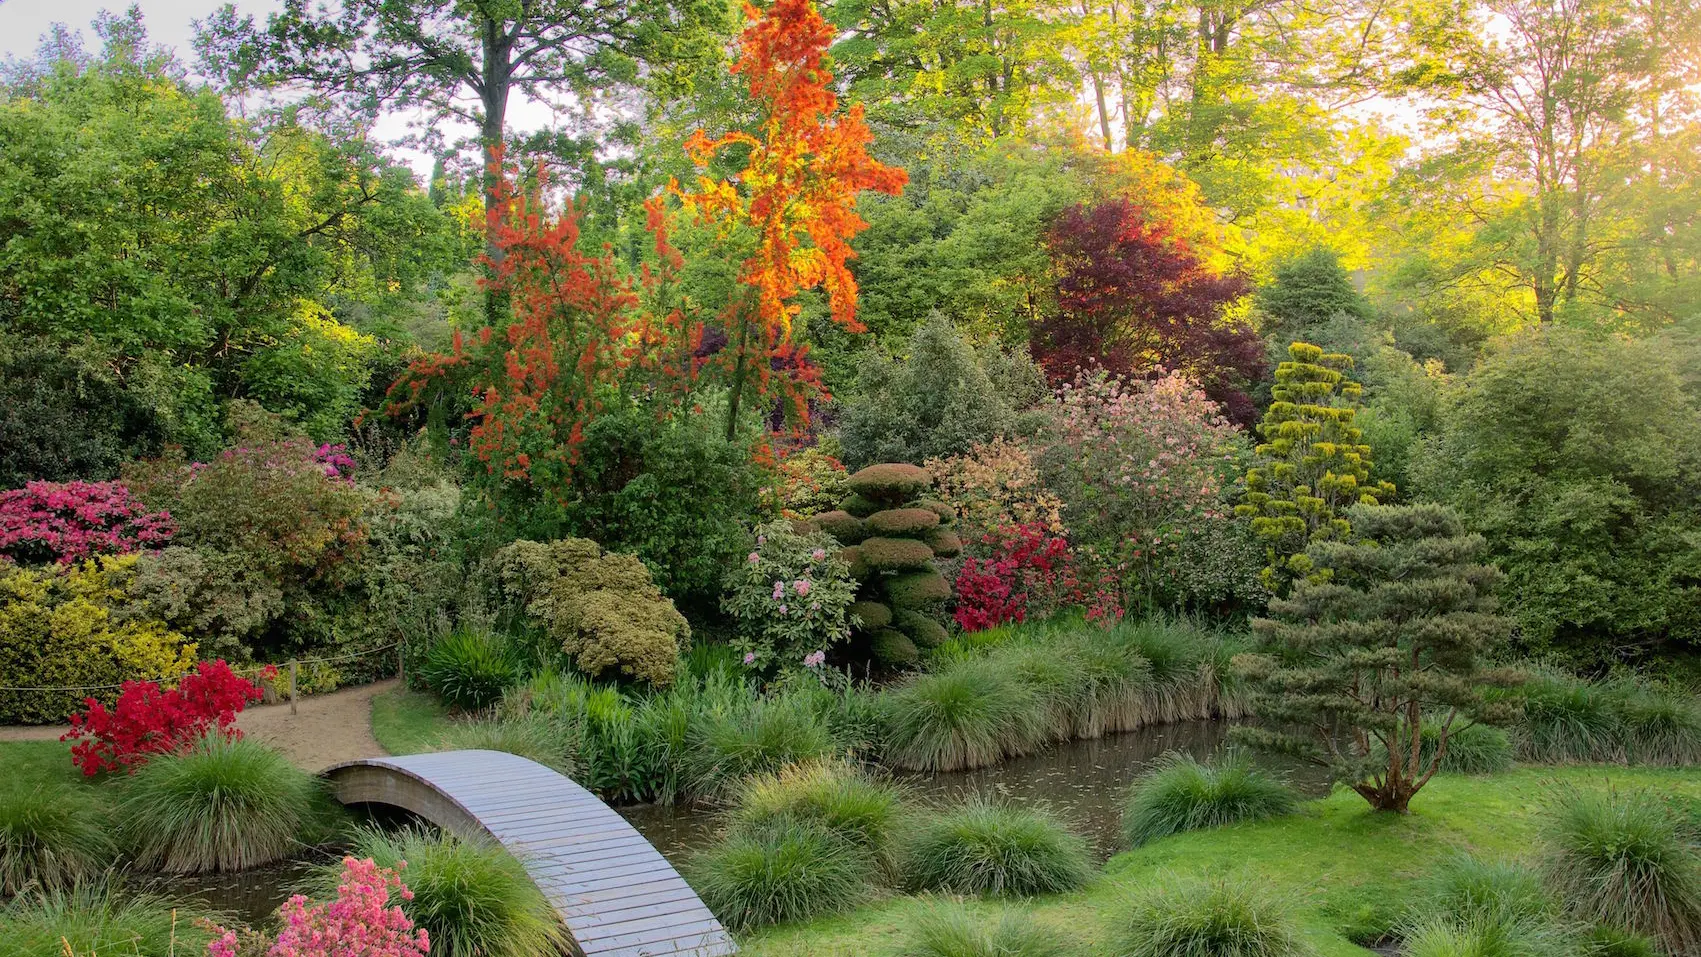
(615,893)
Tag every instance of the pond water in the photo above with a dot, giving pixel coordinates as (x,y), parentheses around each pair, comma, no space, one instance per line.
(1084,782)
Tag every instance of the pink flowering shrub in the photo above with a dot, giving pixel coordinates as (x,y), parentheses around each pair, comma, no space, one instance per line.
(1142,467)
(361,922)
(790,598)
(64,522)
(149,720)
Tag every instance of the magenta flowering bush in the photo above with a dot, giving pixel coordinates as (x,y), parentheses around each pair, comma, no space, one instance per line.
(64,522)
(361,922)
(790,598)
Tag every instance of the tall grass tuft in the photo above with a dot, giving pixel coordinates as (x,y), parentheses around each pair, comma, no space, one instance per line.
(1567,720)
(1058,678)
(1179,676)
(552,743)
(1215,919)
(1470,888)
(840,797)
(1487,936)
(728,747)
(1661,726)
(1180,794)
(52,836)
(984,847)
(1622,859)
(951,930)
(93,918)
(220,806)
(472,897)
(470,670)
(781,871)
(969,715)
(1118,682)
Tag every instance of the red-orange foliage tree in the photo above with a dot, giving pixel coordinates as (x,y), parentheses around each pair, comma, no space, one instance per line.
(793,203)
(584,330)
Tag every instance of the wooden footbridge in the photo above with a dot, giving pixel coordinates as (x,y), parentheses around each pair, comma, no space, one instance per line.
(616,894)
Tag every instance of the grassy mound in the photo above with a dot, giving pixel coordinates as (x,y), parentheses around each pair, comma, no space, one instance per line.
(785,870)
(1180,794)
(951,930)
(967,716)
(54,835)
(1216,919)
(470,670)
(729,746)
(983,847)
(838,797)
(94,919)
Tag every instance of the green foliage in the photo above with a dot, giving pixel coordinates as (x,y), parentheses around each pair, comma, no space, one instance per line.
(553,744)
(1575,456)
(1312,464)
(1486,937)
(1308,291)
(1214,919)
(602,607)
(52,836)
(1471,889)
(984,847)
(791,597)
(64,415)
(472,897)
(1401,625)
(220,806)
(786,870)
(95,918)
(840,797)
(470,670)
(917,589)
(1180,794)
(1565,719)
(762,738)
(951,930)
(893,648)
(1621,858)
(967,716)
(73,626)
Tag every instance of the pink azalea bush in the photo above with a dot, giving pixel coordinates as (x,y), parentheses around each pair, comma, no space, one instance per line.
(65,522)
(361,922)
(790,598)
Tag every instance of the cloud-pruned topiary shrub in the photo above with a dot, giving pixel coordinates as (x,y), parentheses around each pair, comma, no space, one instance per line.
(603,607)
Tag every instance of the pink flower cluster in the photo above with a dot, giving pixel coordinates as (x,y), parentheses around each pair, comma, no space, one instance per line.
(336,460)
(66,522)
(814,659)
(361,922)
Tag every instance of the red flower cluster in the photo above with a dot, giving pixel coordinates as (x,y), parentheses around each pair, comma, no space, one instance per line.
(1031,572)
(149,720)
(64,522)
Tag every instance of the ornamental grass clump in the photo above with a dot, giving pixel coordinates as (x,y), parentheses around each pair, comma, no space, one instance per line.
(223,805)
(727,747)
(1566,720)
(96,919)
(1180,794)
(1214,919)
(1624,860)
(952,930)
(52,836)
(969,715)
(838,796)
(472,897)
(1469,888)
(783,870)
(984,847)
(470,670)
(1488,936)
(551,743)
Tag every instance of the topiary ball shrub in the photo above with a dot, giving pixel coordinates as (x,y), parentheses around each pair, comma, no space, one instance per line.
(1180,794)
(983,847)
(1622,859)
(472,897)
(918,589)
(952,930)
(470,670)
(52,836)
(893,647)
(944,542)
(903,522)
(871,614)
(924,631)
(1215,919)
(95,919)
(968,715)
(784,870)
(223,805)
(896,554)
(840,797)
(842,525)
(890,482)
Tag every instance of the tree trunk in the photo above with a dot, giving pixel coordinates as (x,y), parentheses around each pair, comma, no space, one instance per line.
(498,76)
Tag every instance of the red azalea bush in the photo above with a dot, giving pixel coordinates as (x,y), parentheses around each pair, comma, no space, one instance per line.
(149,720)
(361,921)
(69,521)
(1031,572)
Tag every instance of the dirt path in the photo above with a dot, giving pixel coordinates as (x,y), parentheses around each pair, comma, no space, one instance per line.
(328,728)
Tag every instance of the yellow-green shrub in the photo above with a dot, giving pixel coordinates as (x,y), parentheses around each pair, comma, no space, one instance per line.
(74,626)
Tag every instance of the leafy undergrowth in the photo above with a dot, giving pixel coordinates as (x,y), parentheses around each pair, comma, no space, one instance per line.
(1340,867)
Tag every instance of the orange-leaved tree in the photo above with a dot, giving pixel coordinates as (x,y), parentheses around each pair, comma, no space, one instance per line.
(792,206)
(583,330)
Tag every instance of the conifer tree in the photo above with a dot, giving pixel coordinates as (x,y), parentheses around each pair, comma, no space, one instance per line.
(1350,669)
(1312,465)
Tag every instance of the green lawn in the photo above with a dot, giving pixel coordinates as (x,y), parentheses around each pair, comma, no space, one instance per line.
(407,722)
(29,764)
(1339,865)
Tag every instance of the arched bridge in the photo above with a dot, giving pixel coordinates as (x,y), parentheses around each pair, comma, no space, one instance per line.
(616,894)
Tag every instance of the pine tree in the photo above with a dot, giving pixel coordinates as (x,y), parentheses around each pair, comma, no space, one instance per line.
(1351,668)
(1312,464)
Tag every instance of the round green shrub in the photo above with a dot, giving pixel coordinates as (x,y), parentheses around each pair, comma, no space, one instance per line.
(968,715)
(983,847)
(1622,859)
(917,589)
(95,919)
(922,630)
(220,806)
(952,930)
(782,871)
(1180,794)
(549,741)
(852,557)
(842,525)
(472,897)
(840,797)
(892,647)
(858,506)
(731,745)
(52,836)
(903,522)
(469,670)
(945,512)
(872,614)
(896,554)
(944,542)
(1214,919)
(890,481)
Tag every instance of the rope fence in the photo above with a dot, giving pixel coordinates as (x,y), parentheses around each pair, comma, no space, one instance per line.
(292,664)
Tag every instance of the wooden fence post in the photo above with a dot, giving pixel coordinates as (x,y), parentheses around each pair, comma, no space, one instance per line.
(294,683)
